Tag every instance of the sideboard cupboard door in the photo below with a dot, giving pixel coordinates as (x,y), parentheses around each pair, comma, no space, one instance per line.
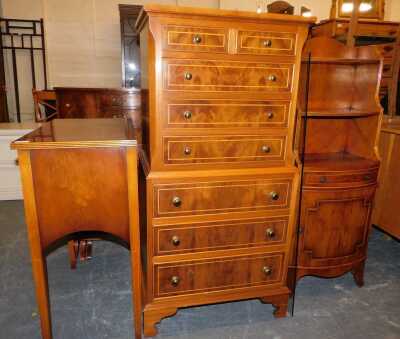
(334,226)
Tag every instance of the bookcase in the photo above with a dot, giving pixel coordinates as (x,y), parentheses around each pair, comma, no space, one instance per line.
(339,117)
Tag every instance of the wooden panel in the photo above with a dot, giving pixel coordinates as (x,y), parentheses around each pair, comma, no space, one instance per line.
(191,75)
(221,197)
(199,39)
(121,99)
(218,274)
(173,239)
(179,150)
(332,179)
(61,185)
(335,226)
(226,113)
(266,43)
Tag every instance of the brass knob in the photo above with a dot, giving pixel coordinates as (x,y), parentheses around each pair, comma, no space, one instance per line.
(266,149)
(187,150)
(323,180)
(187,115)
(176,201)
(188,76)
(267,270)
(267,43)
(175,280)
(270,233)
(197,39)
(270,115)
(274,195)
(175,240)
(68,105)
(272,77)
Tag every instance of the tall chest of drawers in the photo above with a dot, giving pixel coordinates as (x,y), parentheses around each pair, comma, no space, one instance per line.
(219,172)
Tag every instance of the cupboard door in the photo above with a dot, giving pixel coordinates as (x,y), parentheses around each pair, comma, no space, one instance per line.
(334,226)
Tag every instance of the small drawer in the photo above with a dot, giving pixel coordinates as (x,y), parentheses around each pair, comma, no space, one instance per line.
(119,100)
(387,71)
(343,179)
(218,274)
(226,113)
(198,39)
(212,197)
(202,237)
(266,43)
(188,75)
(188,150)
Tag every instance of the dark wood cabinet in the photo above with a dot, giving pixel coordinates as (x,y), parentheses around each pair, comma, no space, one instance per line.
(73,102)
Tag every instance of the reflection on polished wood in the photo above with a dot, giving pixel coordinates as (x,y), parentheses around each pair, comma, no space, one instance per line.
(80,176)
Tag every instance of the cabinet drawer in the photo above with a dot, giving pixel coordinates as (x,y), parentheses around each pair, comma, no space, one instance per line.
(387,50)
(220,197)
(227,113)
(218,274)
(190,75)
(372,29)
(387,71)
(343,179)
(181,150)
(198,39)
(174,239)
(266,43)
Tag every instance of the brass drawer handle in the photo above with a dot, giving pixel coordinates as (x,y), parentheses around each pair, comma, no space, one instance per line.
(188,76)
(197,39)
(266,149)
(274,195)
(267,43)
(175,240)
(68,105)
(272,77)
(323,180)
(267,270)
(187,150)
(176,201)
(187,115)
(270,233)
(270,115)
(175,281)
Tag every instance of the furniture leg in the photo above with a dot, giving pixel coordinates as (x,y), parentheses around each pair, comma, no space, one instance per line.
(358,273)
(280,302)
(73,252)
(153,316)
(85,250)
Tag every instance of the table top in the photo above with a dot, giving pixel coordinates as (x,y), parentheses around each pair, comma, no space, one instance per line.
(79,133)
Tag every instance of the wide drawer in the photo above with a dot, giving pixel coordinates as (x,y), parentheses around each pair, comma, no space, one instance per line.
(266,43)
(221,197)
(226,113)
(360,178)
(195,75)
(218,274)
(184,150)
(200,237)
(198,39)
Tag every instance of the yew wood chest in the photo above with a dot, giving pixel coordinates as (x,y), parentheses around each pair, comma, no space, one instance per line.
(218,169)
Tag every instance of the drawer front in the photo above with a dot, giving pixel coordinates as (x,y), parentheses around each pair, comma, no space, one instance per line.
(187,150)
(387,71)
(348,179)
(266,43)
(198,39)
(218,274)
(227,113)
(387,50)
(372,29)
(118,100)
(189,75)
(220,197)
(215,236)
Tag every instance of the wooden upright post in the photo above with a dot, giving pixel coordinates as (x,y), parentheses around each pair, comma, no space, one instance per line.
(351,41)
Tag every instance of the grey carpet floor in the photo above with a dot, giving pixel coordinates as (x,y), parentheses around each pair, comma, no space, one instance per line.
(94,302)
